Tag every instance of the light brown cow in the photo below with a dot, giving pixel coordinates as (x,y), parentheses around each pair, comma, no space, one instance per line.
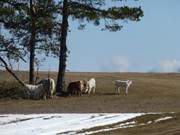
(76,87)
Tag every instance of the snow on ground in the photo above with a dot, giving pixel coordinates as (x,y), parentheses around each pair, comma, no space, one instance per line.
(162,119)
(52,124)
(66,124)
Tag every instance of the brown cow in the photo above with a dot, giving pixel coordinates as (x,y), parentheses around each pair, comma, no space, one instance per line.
(76,87)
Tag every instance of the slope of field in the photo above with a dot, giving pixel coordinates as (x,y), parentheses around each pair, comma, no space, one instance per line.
(149,93)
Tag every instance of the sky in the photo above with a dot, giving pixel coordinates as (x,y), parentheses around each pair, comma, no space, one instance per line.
(151,45)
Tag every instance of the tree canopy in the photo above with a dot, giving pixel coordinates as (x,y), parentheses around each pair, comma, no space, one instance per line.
(16,18)
(96,11)
(33,25)
(99,12)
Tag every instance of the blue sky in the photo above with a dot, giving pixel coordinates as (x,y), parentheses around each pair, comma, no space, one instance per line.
(149,45)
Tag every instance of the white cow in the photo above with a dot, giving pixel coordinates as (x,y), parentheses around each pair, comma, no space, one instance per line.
(121,83)
(49,84)
(91,85)
(35,91)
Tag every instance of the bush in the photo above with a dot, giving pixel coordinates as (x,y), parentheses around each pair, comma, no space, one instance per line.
(11,90)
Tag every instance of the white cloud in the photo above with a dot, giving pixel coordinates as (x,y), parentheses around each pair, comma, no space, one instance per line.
(116,64)
(122,64)
(169,65)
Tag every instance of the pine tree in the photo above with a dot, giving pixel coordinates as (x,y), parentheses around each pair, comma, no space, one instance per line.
(86,11)
(32,25)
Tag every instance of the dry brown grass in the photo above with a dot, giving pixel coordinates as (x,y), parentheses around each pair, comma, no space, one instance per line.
(149,93)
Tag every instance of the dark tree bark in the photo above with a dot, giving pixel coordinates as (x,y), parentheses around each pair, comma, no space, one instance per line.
(32,57)
(63,51)
(10,71)
(32,45)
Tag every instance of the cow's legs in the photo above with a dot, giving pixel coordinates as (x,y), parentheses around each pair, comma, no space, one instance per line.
(89,90)
(117,90)
(44,96)
(94,88)
(127,90)
(86,90)
(80,93)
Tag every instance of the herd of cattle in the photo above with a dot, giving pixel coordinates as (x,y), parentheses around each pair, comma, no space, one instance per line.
(45,88)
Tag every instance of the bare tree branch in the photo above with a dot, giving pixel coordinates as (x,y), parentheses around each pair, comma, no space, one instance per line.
(10,71)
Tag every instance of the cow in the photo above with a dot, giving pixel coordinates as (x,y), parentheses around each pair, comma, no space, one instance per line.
(91,85)
(49,85)
(35,92)
(122,83)
(76,87)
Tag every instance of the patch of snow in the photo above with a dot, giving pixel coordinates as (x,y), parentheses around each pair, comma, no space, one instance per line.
(149,122)
(162,119)
(52,124)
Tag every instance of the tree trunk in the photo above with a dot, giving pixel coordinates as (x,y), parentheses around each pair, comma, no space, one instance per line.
(31,63)
(32,45)
(60,86)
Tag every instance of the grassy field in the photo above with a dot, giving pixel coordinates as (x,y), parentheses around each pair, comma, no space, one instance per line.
(150,92)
